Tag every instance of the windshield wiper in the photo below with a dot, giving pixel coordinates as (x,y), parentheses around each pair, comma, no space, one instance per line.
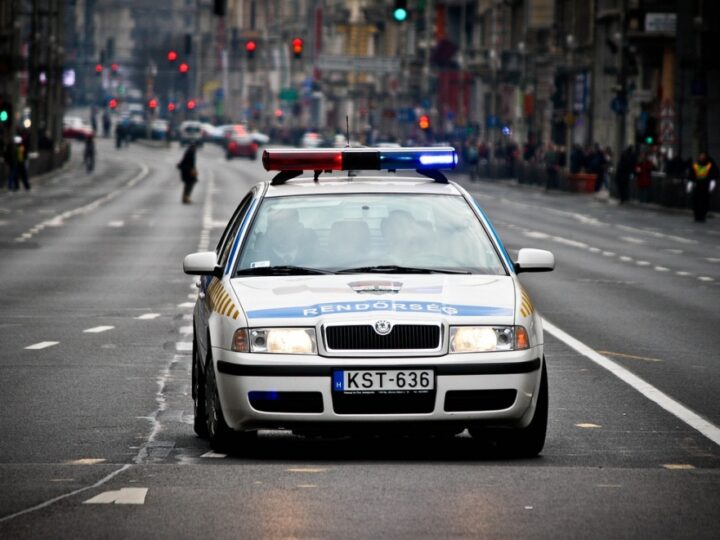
(281,270)
(395,269)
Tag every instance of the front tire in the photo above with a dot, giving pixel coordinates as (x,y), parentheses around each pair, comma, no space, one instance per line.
(524,442)
(198,395)
(222,437)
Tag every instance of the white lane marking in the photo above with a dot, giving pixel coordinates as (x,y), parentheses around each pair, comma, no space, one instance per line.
(672,406)
(183,346)
(656,234)
(712,259)
(86,461)
(41,345)
(47,503)
(116,224)
(213,455)
(632,240)
(683,273)
(185,330)
(625,258)
(705,278)
(97,329)
(59,220)
(588,425)
(608,253)
(147,316)
(536,234)
(187,317)
(186,305)
(678,466)
(568,242)
(192,296)
(642,263)
(662,269)
(121,496)
(675,251)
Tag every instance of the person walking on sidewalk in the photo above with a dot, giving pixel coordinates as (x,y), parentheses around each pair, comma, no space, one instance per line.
(703,178)
(188,172)
(625,168)
(643,173)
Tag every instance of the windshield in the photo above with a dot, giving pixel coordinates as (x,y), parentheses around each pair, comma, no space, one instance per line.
(393,233)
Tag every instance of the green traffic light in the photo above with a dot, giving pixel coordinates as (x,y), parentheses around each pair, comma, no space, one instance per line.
(400,14)
(4,116)
(649,140)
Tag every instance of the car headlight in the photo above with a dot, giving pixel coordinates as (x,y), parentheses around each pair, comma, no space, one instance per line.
(283,340)
(465,339)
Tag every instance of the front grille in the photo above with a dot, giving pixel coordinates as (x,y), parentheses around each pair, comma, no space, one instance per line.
(390,403)
(364,337)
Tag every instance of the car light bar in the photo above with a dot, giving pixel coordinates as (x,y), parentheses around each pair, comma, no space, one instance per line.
(369,159)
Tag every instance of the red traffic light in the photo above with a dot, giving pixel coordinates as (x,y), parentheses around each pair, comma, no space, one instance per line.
(152,104)
(250,46)
(171,56)
(98,68)
(278,113)
(114,67)
(113,103)
(184,67)
(171,107)
(297,46)
(424,121)
(191,104)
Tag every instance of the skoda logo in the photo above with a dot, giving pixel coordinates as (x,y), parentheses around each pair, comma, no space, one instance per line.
(383,327)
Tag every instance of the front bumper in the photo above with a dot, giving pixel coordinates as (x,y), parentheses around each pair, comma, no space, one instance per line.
(505,385)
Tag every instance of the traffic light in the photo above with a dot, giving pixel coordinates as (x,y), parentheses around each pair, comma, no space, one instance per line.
(219,7)
(98,69)
(400,12)
(113,103)
(152,104)
(172,56)
(114,68)
(171,107)
(184,68)
(5,111)
(191,104)
(250,47)
(297,47)
(424,122)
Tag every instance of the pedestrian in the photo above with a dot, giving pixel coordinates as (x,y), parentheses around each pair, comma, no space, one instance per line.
(703,178)
(18,165)
(89,154)
(93,119)
(551,167)
(643,175)
(106,123)
(188,172)
(625,168)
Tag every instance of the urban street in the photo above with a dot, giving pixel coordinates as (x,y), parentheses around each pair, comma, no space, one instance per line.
(96,340)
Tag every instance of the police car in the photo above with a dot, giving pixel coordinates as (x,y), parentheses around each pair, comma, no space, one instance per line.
(337,303)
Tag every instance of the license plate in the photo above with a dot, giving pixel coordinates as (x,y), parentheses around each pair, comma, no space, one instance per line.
(404,380)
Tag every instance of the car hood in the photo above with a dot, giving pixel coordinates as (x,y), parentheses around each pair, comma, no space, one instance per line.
(299,300)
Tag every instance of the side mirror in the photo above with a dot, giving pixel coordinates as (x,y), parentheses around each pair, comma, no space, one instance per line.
(203,263)
(534,260)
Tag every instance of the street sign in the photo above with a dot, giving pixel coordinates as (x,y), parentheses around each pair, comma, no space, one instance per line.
(288,94)
(368,64)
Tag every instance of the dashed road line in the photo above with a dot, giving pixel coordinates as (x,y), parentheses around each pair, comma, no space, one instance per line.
(42,345)
(59,220)
(677,409)
(116,224)
(183,346)
(147,316)
(186,305)
(213,455)
(97,329)
(132,495)
(705,278)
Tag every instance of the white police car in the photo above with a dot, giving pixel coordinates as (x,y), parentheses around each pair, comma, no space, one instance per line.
(336,304)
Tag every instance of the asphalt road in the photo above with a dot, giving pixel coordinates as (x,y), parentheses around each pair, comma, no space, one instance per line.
(95,414)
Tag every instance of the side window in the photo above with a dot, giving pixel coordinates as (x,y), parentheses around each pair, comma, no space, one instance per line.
(226,240)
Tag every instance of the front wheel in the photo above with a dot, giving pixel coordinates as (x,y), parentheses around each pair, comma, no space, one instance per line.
(198,395)
(222,437)
(524,442)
